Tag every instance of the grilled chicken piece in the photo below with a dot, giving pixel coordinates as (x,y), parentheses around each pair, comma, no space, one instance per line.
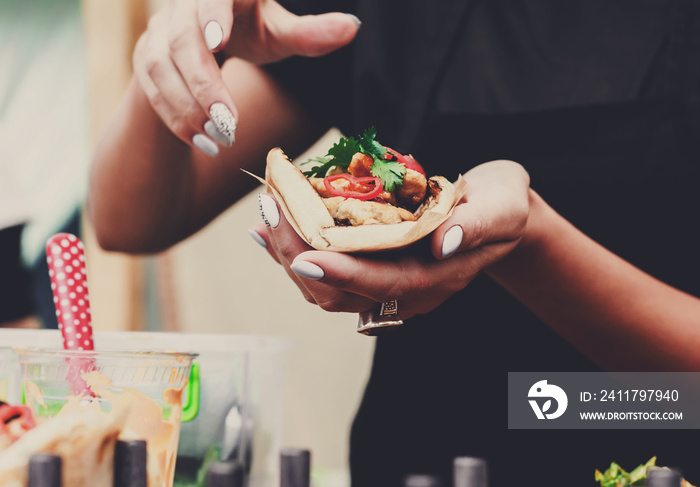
(412,192)
(357,212)
(360,165)
(436,185)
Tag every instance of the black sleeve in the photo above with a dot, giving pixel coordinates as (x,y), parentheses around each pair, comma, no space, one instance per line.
(323,85)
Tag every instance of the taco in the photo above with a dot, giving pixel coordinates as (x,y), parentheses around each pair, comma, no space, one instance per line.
(360,197)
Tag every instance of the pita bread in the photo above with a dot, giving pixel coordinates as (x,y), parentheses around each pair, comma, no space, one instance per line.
(306,212)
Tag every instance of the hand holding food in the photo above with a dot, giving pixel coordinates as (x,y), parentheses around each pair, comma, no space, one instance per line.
(488,222)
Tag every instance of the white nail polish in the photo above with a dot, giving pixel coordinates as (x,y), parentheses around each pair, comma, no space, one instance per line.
(258,239)
(224,121)
(268,210)
(213,34)
(205,144)
(452,240)
(356,19)
(308,270)
(214,133)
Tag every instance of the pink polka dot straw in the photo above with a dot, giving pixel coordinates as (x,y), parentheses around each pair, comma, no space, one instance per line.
(65,254)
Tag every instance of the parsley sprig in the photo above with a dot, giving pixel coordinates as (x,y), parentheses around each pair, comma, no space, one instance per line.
(390,171)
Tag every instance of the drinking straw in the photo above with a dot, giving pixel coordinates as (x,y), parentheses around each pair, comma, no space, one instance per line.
(65,254)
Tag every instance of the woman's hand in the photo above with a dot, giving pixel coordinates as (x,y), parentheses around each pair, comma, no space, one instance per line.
(175,66)
(486,225)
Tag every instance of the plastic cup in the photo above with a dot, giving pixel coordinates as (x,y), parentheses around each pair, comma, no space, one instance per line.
(234,408)
(234,405)
(140,390)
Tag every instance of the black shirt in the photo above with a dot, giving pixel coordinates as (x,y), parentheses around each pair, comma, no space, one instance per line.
(598,100)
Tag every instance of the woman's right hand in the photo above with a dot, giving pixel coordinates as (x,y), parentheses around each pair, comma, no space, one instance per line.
(175,66)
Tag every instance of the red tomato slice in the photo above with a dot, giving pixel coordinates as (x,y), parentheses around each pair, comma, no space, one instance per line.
(411,163)
(407,161)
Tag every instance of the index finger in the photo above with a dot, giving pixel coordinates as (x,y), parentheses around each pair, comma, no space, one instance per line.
(199,70)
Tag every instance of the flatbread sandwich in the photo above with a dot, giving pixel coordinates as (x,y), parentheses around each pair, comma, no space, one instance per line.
(360,197)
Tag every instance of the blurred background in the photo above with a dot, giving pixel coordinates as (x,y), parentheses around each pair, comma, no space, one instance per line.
(64,65)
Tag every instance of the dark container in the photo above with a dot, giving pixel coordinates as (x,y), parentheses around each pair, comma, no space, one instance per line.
(44,470)
(130,458)
(295,467)
(470,472)
(224,474)
(421,481)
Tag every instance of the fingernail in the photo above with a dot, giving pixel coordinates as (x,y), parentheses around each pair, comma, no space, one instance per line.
(224,121)
(258,239)
(356,19)
(205,144)
(214,133)
(213,35)
(268,210)
(308,270)
(452,240)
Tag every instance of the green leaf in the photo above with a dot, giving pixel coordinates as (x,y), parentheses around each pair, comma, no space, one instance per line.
(390,172)
(370,146)
(343,151)
(339,155)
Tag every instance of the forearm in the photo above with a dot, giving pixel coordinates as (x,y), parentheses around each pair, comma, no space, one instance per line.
(138,179)
(619,316)
(149,190)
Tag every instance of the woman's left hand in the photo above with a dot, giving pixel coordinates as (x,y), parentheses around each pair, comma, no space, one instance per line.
(486,225)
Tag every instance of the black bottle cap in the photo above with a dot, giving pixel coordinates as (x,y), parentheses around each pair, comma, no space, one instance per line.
(295,467)
(44,470)
(130,464)
(470,472)
(224,474)
(663,477)
(421,481)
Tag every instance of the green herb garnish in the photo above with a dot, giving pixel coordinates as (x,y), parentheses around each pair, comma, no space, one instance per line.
(616,476)
(339,155)
(390,171)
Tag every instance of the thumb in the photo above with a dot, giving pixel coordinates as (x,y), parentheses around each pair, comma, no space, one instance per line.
(216,21)
(310,35)
(495,209)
